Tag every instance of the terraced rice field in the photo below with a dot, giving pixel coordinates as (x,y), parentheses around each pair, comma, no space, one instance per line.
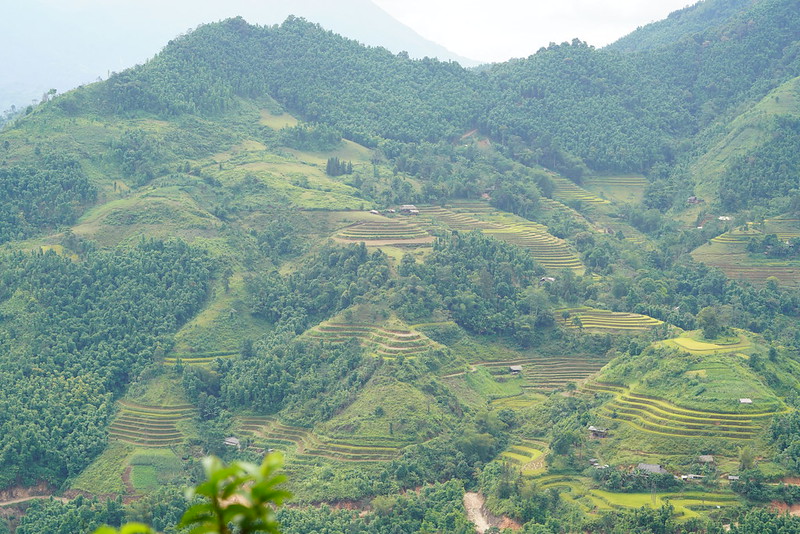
(457,220)
(386,342)
(701,347)
(631,180)
(199,358)
(567,191)
(652,414)
(548,250)
(626,188)
(785,228)
(149,426)
(528,457)
(735,238)
(728,253)
(685,503)
(547,374)
(554,205)
(561,482)
(594,319)
(268,433)
(393,231)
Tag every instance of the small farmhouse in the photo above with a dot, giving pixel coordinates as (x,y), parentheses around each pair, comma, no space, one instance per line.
(656,469)
(595,432)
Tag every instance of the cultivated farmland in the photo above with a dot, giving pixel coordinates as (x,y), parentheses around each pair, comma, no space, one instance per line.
(269,433)
(394,231)
(584,317)
(387,341)
(149,425)
(652,414)
(548,250)
(549,373)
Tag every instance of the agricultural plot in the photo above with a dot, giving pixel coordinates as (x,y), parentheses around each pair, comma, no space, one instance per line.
(548,374)
(584,317)
(656,415)
(690,342)
(728,253)
(548,204)
(528,457)
(685,503)
(153,469)
(149,425)
(387,341)
(625,188)
(456,220)
(217,331)
(388,232)
(567,191)
(548,250)
(198,358)
(268,433)
(785,228)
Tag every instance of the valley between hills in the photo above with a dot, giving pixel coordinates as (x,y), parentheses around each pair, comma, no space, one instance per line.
(558,294)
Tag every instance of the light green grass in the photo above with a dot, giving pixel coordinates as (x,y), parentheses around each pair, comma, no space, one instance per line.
(276,122)
(154,468)
(162,390)
(104,474)
(490,387)
(223,324)
(745,133)
(406,413)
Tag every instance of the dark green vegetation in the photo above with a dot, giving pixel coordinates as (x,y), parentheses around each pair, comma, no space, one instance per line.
(73,334)
(212,246)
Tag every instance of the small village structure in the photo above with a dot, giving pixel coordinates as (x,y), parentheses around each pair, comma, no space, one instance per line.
(692,477)
(655,469)
(409,209)
(596,432)
(515,369)
(233,442)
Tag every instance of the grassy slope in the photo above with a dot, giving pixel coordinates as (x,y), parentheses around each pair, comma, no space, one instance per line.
(729,253)
(742,135)
(671,407)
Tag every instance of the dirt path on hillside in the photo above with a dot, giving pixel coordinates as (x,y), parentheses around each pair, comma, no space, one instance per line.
(481,518)
(473,502)
(31,498)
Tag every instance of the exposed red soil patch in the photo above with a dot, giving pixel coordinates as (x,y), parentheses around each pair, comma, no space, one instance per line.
(782,507)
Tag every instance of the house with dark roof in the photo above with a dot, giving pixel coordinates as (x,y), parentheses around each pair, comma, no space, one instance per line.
(655,469)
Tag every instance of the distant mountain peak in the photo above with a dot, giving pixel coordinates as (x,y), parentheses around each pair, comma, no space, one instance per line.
(63,45)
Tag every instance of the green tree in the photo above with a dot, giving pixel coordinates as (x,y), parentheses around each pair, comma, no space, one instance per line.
(242,495)
(709,321)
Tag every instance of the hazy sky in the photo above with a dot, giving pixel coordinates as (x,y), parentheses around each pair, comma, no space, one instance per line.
(496,30)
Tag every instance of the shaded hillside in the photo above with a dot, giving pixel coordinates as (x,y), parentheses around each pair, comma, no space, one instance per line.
(681,24)
(739,57)
(130,34)
(364,92)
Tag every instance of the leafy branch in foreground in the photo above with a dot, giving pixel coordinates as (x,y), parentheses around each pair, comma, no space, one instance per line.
(240,494)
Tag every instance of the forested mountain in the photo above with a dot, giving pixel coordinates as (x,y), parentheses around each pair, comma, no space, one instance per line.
(407,275)
(55,45)
(682,24)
